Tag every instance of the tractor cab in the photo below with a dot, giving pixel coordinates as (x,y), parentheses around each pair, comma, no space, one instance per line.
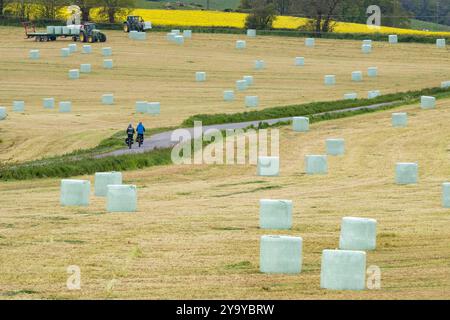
(89,33)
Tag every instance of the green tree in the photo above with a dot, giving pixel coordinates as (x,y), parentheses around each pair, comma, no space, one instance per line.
(115,9)
(262,15)
(85,6)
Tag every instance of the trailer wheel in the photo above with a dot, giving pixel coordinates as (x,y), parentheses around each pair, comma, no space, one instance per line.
(91,39)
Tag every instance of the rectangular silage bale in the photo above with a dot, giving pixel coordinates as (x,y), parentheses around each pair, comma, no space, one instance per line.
(249,80)
(228,95)
(335,147)
(103,179)
(330,80)
(310,42)
(357,76)
(179,40)
(358,234)
(445,194)
(50,30)
(65,52)
(373,94)
(3,113)
(399,119)
(34,54)
(187,34)
(154,108)
(107,52)
(121,198)
(171,36)
(75,30)
(241,44)
(58,30)
(268,166)
(316,164)
(74,74)
(200,76)
(72,47)
(281,254)
(406,173)
(65,106)
(18,106)
(141,106)
(140,36)
(299,61)
(445,84)
(427,102)
(66,31)
(48,103)
(300,124)
(85,68)
(351,96)
(367,41)
(108,99)
(251,101)
(393,38)
(241,85)
(440,43)
(75,192)
(260,64)
(275,214)
(251,33)
(175,31)
(87,49)
(132,34)
(343,270)
(366,48)
(372,72)
(108,64)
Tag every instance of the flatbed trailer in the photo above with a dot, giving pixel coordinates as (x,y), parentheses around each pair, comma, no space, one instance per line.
(82,33)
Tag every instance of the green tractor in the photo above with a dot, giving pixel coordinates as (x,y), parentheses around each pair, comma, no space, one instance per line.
(135,23)
(88,33)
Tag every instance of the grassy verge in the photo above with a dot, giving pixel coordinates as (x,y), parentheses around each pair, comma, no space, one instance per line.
(311,108)
(84,162)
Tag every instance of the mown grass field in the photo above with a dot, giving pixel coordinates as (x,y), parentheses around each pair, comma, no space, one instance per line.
(196,233)
(156,70)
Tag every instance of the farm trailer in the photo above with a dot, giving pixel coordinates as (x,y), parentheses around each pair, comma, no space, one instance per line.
(83,33)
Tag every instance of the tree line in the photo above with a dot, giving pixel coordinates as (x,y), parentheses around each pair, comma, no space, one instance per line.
(109,10)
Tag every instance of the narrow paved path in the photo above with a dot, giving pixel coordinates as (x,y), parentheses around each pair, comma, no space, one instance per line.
(163,140)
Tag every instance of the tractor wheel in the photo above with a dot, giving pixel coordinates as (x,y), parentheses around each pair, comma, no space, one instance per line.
(101,37)
(126,28)
(83,37)
(91,39)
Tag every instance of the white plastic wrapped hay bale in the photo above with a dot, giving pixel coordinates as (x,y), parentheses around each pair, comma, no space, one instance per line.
(48,103)
(445,193)
(316,164)
(241,85)
(343,270)
(268,166)
(175,31)
(260,64)
(108,99)
(358,234)
(241,44)
(72,47)
(87,49)
(367,41)
(228,95)
(200,76)
(154,108)
(18,106)
(3,113)
(141,106)
(58,30)
(393,38)
(187,34)
(103,179)
(65,106)
(373,94)
(74,30)
(65,52)
(132,34)
(107,52)
(251,33)
(50,30)
(65,31)
(440,43)
(281,254)
(179,40)
(399,119)
(275,214)
(74,74)
(108,64)
(351,96)
(427,102)
(249,80)
(299,61)
(300,124)
(445,84)
(310,42)
(330,80)
(357,76)
(34,54)
(85,68)
(335,147)
(171,36)
(140,36)
(75,192)
(251,101)
(366,48)
(372,72)
(121,198)
(406,173)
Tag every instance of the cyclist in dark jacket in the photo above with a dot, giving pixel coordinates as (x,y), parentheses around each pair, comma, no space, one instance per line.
(130,132)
